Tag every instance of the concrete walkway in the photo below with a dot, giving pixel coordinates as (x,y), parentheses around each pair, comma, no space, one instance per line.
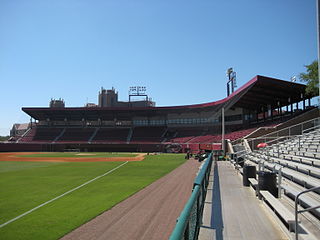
(232,212)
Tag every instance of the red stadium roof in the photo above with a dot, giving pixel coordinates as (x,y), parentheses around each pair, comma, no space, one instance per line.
(259,91)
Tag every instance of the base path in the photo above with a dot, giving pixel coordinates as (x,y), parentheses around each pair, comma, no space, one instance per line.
(149,214)
(233,212)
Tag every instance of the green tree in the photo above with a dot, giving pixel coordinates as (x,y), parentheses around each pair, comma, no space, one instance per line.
(311,78)
(4,138)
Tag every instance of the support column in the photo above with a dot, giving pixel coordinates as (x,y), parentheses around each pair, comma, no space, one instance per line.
(222,138)
(278,108)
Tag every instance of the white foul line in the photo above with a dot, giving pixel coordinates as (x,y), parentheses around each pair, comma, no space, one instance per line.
(41,205)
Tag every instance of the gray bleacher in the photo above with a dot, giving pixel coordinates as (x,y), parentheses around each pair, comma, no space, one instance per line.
(298,159)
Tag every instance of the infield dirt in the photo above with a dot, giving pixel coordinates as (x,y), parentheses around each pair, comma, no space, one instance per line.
(19,158)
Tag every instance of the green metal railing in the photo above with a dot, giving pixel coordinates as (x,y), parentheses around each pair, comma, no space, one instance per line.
(188,223)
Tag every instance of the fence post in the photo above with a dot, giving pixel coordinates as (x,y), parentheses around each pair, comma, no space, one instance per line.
(187,232)
(278,148)
(198,220)
(279,181)
(259,166)
(289,132)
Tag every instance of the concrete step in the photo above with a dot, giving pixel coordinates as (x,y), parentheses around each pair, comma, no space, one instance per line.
(300,178)
(306,200)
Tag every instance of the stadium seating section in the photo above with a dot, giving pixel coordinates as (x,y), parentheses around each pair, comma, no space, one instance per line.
(124,135)
(76,135)
(148,134)
(299,161)
(140,138)
(118,135)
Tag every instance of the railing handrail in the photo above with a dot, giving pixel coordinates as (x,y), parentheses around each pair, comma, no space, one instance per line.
(235,142)
(273,140)
(277,138)
(304,210)
(241,151)
(184,217)
(314,127)
(285,137)
(318,118)
(198,188)
(199,178)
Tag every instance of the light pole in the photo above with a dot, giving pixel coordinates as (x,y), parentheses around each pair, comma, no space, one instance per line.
(318,44)
(231,81)
(223,131)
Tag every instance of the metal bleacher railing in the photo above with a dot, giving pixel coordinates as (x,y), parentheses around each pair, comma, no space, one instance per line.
(188,223)
(286,133)
(295,136)
(301,211)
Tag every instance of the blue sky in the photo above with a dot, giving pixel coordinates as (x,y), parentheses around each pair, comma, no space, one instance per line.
(179,50)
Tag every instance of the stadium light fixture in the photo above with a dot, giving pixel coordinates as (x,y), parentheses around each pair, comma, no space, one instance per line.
(229,71)
(231,83)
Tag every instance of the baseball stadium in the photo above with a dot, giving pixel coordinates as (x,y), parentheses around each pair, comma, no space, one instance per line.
(243,167)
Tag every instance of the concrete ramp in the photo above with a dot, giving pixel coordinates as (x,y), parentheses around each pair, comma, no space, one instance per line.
(232,212)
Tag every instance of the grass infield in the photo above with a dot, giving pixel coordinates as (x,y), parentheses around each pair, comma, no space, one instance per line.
(25,185)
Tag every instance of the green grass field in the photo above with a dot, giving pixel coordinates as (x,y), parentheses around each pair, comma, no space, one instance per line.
(25,185)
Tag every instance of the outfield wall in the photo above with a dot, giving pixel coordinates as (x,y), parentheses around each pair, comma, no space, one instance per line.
(33,147)
(85,147)
(16,147)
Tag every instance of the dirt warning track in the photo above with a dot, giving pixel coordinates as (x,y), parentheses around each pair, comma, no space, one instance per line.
(18,157)
(149,214)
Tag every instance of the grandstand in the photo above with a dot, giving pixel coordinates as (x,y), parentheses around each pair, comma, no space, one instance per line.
(293,156)
(265,110)
(279,197)
(261,103)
